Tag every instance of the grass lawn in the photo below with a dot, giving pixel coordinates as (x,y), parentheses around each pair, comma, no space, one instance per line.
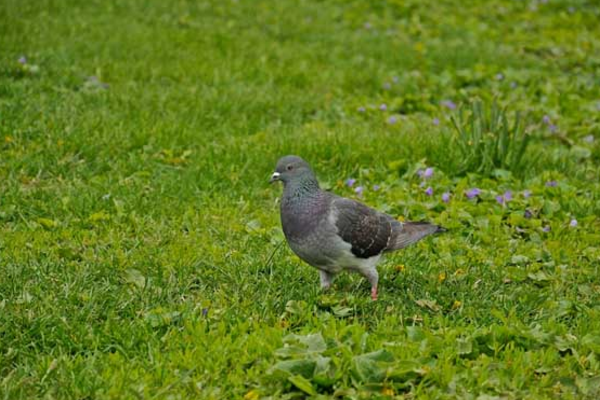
(141,253)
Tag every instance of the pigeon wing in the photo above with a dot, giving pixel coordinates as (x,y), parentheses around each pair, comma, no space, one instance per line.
(368,231)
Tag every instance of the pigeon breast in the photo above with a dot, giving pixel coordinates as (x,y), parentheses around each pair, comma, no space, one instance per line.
(309,229)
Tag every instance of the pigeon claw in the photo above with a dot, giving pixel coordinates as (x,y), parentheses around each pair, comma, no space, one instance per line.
(374,293)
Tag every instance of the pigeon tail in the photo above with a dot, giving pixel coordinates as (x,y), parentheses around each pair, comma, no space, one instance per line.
(407,233)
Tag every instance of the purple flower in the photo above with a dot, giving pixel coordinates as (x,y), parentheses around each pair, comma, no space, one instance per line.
(350,182)
(446,197)
(359,190)
(552,128)
(527,193)
(472,193)
(528,214)
(368,25)
(376,187)
(589,139)
(573,223)
(425,173)
(551,184)
(499,77)
(383,107)
(361,109)
(22,60)
(387,86)
(449,104)
(392,120)
(546,228)
(505,198)
(204,312)
(436,121)
(429,191)
(546,119)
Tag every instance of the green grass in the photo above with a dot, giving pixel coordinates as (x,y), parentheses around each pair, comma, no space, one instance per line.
(140,246)
(487,141)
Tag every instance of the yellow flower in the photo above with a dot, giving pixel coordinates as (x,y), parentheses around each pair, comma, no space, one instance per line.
(252,395)
(388,392)
(400,267)
(8,139)
(456,304)
(442,277)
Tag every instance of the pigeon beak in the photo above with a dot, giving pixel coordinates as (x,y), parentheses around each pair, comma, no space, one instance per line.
(274,177)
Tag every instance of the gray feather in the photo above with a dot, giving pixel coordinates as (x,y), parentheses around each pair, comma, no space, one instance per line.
(368,231)
(408,233)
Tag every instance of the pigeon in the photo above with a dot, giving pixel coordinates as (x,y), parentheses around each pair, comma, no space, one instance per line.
(333,233)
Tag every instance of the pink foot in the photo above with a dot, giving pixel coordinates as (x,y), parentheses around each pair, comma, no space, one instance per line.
(374,293)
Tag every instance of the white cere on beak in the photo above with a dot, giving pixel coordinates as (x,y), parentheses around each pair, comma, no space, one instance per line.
(274,177)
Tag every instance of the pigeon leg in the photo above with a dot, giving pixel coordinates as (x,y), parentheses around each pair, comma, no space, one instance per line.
(326,279)
(373,277)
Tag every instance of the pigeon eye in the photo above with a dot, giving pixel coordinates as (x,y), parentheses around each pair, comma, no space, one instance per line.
(289,167)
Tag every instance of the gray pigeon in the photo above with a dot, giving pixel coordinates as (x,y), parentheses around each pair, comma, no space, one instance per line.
(333,233)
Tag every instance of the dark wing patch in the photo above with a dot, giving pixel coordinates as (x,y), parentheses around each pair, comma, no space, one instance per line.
(367,230)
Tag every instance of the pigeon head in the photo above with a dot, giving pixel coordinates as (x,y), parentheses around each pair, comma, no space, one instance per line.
(292,169)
